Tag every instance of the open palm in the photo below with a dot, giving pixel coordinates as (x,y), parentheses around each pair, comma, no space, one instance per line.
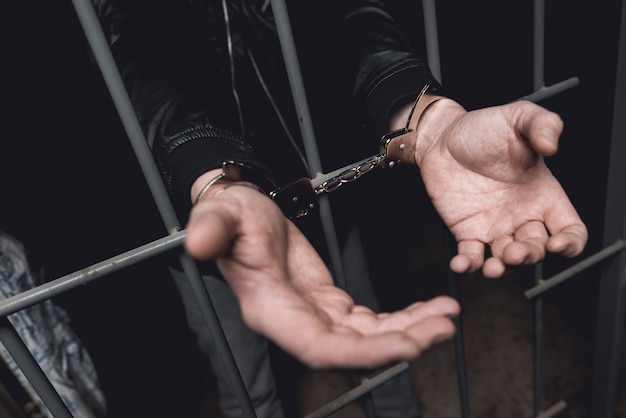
(488,180)
(287,294)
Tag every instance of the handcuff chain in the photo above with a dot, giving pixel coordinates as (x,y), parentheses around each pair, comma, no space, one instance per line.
(351,174)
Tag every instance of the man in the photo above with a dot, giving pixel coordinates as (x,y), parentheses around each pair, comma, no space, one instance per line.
(208,86)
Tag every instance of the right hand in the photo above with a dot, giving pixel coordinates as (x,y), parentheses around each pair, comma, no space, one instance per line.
(287,294)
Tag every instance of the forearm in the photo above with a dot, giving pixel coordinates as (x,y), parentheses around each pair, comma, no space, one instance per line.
(179,96)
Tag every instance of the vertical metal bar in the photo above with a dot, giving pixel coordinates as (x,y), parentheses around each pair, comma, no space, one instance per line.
(104,58)
(432,46)
(32,371)
(287,44)
(538,344)
(208,311)
(538,44)
(459,339)
(611,296)
(432,38)
(538,84)
(113,79)
(294,74)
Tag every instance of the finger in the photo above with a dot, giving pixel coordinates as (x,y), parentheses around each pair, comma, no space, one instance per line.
(499,244)
(568,233)
(540,126)
(209,231)
(300,330)
(470,256)
(308,335)
(352,350)
(570,241)
(439,305)
(494,268)
(368,323)
(528,246)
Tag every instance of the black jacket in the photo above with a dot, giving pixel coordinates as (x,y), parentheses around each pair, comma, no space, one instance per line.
(176,62)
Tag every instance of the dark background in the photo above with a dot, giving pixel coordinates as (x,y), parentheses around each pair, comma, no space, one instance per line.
(73,192)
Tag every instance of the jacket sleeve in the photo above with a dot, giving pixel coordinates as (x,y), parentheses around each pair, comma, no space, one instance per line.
(386,71)
(163,49)
(171,64)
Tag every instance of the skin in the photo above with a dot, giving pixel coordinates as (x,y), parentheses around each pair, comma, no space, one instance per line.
(494,188)
(485,174)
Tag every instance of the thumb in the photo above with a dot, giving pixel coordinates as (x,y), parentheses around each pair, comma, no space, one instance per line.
(209,231)
(540,126)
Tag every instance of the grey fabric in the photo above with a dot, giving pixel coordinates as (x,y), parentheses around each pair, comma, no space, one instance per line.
(45,330)
(249,349)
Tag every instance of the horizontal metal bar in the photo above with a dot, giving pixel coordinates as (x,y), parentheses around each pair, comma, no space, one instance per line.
(547,284)
(366,386)
(52,288)
(546,92)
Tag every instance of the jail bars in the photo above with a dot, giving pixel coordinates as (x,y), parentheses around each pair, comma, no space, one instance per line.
(613,256)
(95,37)
(610,320)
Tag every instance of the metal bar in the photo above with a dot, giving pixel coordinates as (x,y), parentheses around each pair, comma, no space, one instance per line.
(459,339)
(81,277)
(366,386)
(558,278)
(553,410)
(210,316)
(538,344)
(546,92)
(538,43)
(432,38)
(434,63)
(432,51)
(287,44)
(294,74)
(538,84)
(113,79)
(611,296)
(32,371)
(104,58)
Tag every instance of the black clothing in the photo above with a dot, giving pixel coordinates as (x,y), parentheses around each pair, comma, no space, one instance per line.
(175,61)
(179,61)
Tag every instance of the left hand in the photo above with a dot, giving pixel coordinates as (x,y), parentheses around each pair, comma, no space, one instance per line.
(485,173)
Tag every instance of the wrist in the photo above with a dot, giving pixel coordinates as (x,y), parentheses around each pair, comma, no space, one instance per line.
(429,128)
(416,128)
(399,118)
(210,183)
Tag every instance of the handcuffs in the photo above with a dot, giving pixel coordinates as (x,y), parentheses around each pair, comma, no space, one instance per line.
(299,198)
